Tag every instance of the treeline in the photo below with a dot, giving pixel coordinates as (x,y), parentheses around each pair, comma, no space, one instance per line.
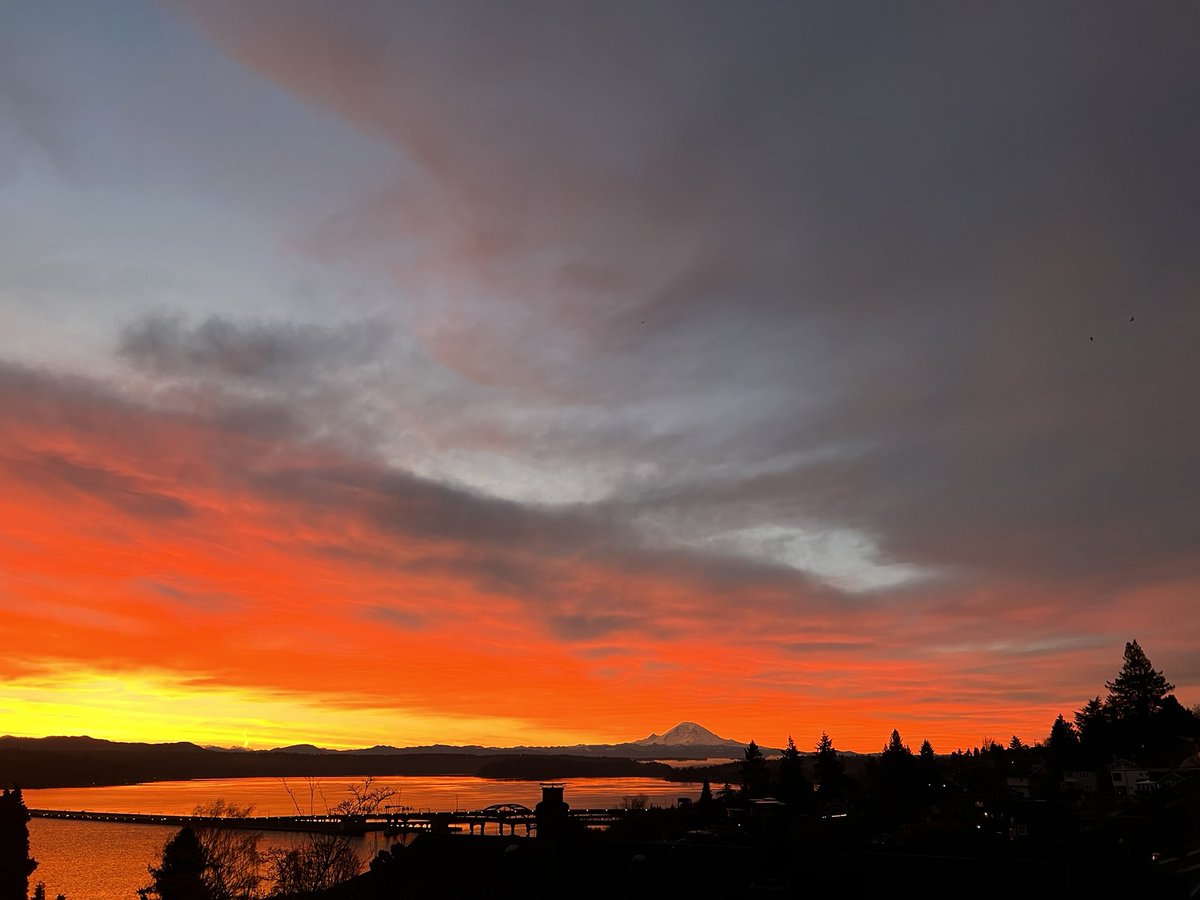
(1139,720)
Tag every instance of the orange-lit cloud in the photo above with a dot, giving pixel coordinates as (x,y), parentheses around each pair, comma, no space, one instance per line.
(169,575)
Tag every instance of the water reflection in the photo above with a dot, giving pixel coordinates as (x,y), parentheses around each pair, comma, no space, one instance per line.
(101,860)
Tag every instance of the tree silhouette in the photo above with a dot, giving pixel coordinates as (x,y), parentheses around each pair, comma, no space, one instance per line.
(234,862)
(829,770)
(321,861)
(896,769)
(1062,745)
(793,786)
(1138,690)
(928,768)
(16,864)
(895,745)
(754,772)
(1094,728)
(182,873)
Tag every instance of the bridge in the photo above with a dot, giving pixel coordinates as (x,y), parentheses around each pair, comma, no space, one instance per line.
(393,820)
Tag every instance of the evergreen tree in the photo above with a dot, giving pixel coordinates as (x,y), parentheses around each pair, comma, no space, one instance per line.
(754,772)
(829,770)
(1062,745)
(16,865)
(1138,690)
(793,785)
(928,768)
(896,746)
(706,796)
(1016,746)
(896,769)
(1091,722)
(182,873)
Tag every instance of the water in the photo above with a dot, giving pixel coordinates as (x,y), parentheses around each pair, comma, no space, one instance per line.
(103,860)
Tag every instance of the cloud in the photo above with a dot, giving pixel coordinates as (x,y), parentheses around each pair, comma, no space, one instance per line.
(128,493)
(166,346)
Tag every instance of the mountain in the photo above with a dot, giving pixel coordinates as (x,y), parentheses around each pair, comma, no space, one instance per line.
(687,734)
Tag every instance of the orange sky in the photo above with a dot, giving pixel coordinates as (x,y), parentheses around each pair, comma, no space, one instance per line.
(161,586)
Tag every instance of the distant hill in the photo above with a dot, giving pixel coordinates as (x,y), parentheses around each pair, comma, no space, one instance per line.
(86,761)
(687,740)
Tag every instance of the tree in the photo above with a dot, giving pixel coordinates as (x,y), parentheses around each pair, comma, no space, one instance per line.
(896,768)
(1092,722)
(16,865)
(895,745)
(324,860)
(182,873)
(1061,745)
(316,865)
(828,769)
(792,784)
(1138,690)
(754,772)
(1016,745)
(928,767)
(234,862)
(706,796)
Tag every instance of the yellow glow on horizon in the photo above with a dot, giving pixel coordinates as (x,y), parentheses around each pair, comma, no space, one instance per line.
(157,707)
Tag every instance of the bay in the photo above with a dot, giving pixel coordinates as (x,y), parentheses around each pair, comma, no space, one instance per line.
(106,860)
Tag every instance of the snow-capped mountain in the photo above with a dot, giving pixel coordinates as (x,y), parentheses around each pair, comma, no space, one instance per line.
(687,734)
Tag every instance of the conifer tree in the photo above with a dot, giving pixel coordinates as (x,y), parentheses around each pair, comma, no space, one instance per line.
(828,768)
(754,771)
(182,873)
(793,786)
(896,745)
(16,865)
(1091,723)
(1138,690)
(1062,744)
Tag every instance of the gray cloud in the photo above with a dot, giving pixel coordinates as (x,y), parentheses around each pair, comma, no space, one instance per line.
(133,495)
(169,346)
(875,243)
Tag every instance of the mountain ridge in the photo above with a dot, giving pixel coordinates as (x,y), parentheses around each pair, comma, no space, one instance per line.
(686,740)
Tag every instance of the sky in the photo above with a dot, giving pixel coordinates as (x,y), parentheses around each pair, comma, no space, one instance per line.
(543,373)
